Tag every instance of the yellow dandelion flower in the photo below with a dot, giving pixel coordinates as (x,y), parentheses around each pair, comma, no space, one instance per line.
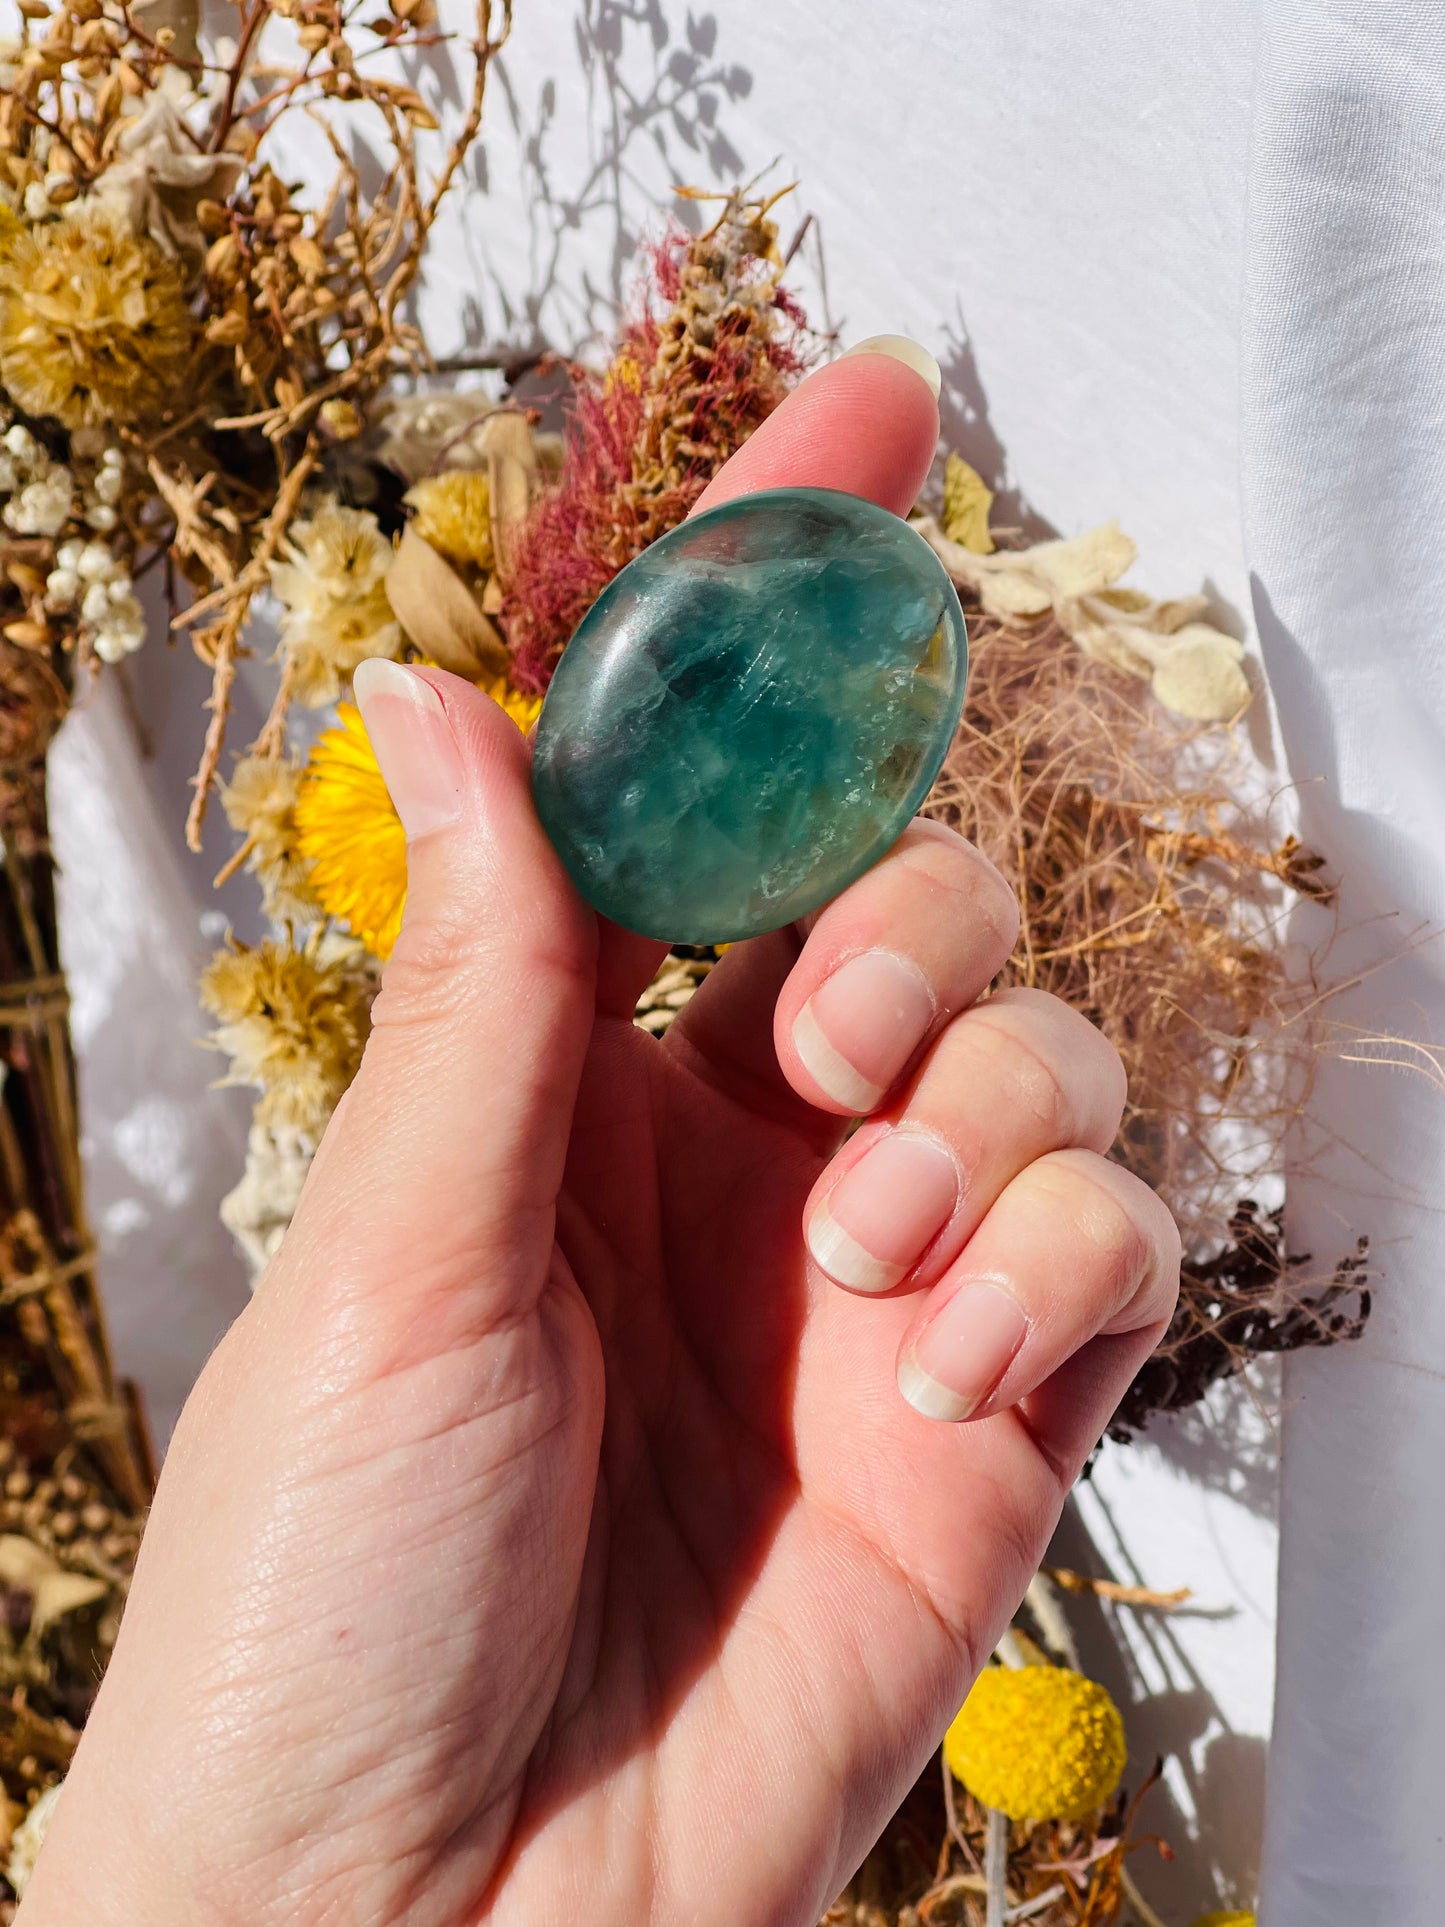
(260,802)
(454,513)
(1039,1743)
(351,836)
(332,584)
(94,325)
(293,1025)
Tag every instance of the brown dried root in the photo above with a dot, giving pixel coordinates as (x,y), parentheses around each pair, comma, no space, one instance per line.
(1247,1301)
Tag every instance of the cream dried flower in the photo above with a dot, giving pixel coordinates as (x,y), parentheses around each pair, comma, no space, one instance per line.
(260,802)
(1193,668)
(28,1838)
(292,1022)
(333,587)
(41,492)
(453,512)
(415,432)
(94,325)
(158,179)
(259,1210)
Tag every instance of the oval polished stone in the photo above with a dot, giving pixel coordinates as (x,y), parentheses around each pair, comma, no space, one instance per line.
(750,714)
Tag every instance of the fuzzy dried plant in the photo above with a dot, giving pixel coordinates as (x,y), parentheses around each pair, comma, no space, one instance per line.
(1154,897)
(713,351)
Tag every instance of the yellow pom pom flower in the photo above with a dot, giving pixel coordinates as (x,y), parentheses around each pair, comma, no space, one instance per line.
(94,323)
(1037,1743)
(1226,1919)
(349,833)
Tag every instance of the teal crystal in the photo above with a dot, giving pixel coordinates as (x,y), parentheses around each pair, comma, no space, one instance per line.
(750,714)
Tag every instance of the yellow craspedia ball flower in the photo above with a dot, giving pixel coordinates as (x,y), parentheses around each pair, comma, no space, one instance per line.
(349,833)
(1039,1743)
(1226,1919)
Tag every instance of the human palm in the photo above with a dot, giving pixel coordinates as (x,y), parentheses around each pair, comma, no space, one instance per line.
(551,1538)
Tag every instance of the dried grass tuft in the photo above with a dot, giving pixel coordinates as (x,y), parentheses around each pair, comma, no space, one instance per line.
(1153,889)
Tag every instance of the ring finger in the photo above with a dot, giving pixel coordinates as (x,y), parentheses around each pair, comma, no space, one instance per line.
(1009,1081)
(1075,1249)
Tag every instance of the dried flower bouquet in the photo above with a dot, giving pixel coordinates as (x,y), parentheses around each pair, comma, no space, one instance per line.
(213,374)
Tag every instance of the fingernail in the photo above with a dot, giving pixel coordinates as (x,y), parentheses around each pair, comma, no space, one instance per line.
(954,1361)
(413,743)
(877,1222)
(911,353)
(857,1032)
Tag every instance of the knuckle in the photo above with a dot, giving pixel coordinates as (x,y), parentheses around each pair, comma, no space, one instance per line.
(1025,1073)
(442,966)
(1121,1239)
(998,904)
(951,862)
(1096,1078)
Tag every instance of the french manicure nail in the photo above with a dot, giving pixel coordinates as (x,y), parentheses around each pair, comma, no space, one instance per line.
(957,1358)
(879,1219)
(413,743)
(857,1031)
(911,353)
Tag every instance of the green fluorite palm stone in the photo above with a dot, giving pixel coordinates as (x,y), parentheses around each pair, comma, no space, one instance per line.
(749,715)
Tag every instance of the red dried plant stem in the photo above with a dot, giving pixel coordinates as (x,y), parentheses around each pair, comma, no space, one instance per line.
(644,440)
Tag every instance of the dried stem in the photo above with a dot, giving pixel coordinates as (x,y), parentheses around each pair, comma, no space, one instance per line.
(228,633)
(995,1867)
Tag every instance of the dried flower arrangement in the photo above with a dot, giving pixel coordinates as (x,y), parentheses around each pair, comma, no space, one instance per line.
(150,250)
(186,341)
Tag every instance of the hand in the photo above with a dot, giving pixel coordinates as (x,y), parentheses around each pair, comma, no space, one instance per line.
(551,1540)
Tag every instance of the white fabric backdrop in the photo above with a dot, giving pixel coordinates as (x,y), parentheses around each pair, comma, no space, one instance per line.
(1182,264)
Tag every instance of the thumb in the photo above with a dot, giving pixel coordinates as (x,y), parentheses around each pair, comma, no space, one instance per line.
(449,1147)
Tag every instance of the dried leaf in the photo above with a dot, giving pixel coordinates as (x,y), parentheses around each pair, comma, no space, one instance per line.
(1193,669)
(513,473)
(967,500)
(53,1591)
(1030,582)
(440,613)
(1200,677)
(157,179)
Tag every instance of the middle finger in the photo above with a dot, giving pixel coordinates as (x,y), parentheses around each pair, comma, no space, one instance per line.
(1009,1081)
